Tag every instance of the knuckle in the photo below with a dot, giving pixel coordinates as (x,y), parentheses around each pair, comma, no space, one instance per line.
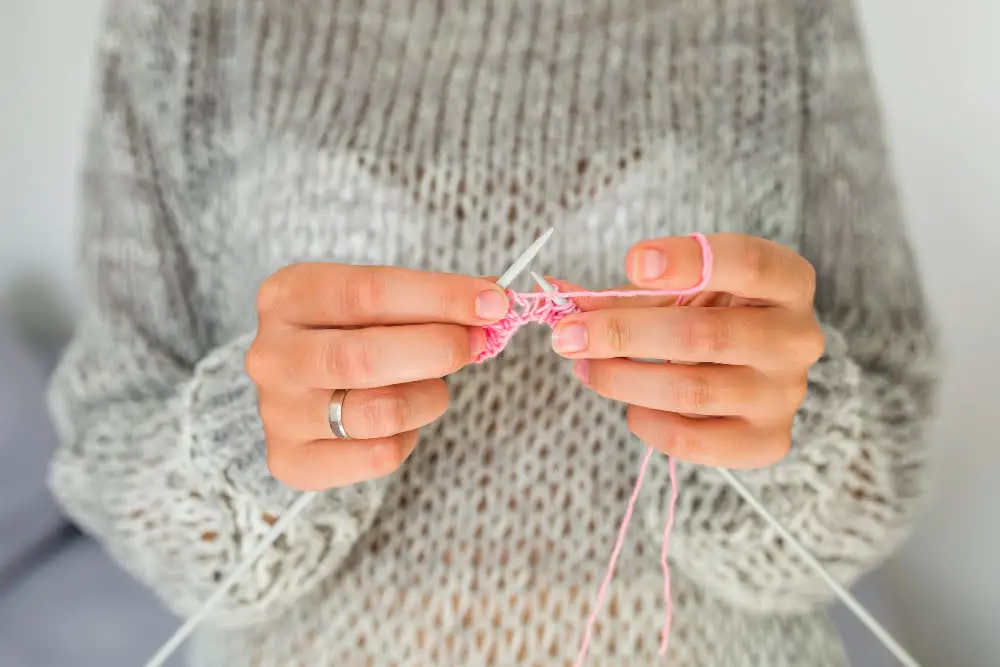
(452,302)
(364,293)
(618,335)
(635,424)
(388,456)
(776,403)
(270,413)
(655,433)
(455,352)
(808,282)
(813,345)
(439,389)
(804,347)
(386,411)
(756,260)
(707,332)
(797,393)
(678,442)
(282,467)
(675,442)
(271,291)
(257,363)
(781,446)
(348,359)
(694,394)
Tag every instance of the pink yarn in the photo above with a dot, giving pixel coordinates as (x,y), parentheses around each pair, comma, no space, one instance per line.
(539,307)
(522,311)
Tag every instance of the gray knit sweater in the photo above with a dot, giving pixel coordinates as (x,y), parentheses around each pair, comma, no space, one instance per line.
(232,138)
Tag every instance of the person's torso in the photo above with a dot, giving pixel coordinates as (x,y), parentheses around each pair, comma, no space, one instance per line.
(446,136)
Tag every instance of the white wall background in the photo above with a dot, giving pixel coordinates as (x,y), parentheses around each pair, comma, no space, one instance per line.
(45,74)
(939,69)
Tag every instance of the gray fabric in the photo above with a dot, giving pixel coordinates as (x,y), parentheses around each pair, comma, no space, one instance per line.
(863,648)
(28,514)
(78,609)
(232,138)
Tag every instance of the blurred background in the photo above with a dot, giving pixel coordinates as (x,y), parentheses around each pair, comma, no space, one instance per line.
(62,602)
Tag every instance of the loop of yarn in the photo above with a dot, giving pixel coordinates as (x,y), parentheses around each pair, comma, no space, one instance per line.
(522,311)
(540,308)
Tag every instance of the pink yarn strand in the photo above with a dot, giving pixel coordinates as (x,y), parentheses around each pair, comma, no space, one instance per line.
(619,543)
(539,307)
(664,565)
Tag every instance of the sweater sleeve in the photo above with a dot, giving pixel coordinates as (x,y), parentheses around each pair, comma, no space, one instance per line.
(162,452)
(856,474)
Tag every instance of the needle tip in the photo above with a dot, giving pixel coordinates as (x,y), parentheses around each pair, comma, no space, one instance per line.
(549,288)
(522,262)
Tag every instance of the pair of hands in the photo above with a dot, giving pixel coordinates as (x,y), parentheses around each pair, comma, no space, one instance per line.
(390,335)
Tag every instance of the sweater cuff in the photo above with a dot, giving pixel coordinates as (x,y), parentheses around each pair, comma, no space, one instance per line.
(724,545)
(222,430)
(830,431)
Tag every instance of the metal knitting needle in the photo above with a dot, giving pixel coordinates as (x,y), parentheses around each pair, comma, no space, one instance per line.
(549,287)
(299,506)
(522,262)
(845,596)
(851,602)
(183,632)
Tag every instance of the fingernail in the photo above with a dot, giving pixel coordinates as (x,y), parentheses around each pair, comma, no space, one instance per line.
(581,369)
(491,305)
(477,341)
(570,338)
(652,264)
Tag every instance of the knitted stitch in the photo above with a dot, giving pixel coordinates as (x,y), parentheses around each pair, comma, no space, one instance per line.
(542,308)
(522,311)
(232,137)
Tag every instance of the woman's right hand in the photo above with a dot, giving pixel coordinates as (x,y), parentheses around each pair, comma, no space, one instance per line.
(387,335)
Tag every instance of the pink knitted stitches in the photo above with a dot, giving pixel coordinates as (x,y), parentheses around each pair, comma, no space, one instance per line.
(539,307)
(523,309)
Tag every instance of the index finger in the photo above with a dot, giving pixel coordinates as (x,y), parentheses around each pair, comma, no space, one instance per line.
(745,266)
(337,295)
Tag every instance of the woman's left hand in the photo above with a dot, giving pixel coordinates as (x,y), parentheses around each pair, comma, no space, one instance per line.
(743,355)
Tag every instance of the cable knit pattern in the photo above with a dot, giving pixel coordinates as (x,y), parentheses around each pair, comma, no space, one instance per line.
(233,137)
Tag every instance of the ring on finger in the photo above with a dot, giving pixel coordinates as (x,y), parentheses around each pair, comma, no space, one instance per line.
(335,414)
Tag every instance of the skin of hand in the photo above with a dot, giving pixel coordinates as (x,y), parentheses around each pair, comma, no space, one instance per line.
(389,335)
(741,356)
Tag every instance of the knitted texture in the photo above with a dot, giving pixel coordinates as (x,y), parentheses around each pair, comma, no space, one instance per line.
(234,137)
(522,311)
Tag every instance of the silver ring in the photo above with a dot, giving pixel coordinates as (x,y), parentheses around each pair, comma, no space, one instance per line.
(335,414)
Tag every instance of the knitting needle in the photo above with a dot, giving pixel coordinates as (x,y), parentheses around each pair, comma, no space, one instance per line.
(549,287)
(522,262)
(183,632)
(300,504)
(851,602)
